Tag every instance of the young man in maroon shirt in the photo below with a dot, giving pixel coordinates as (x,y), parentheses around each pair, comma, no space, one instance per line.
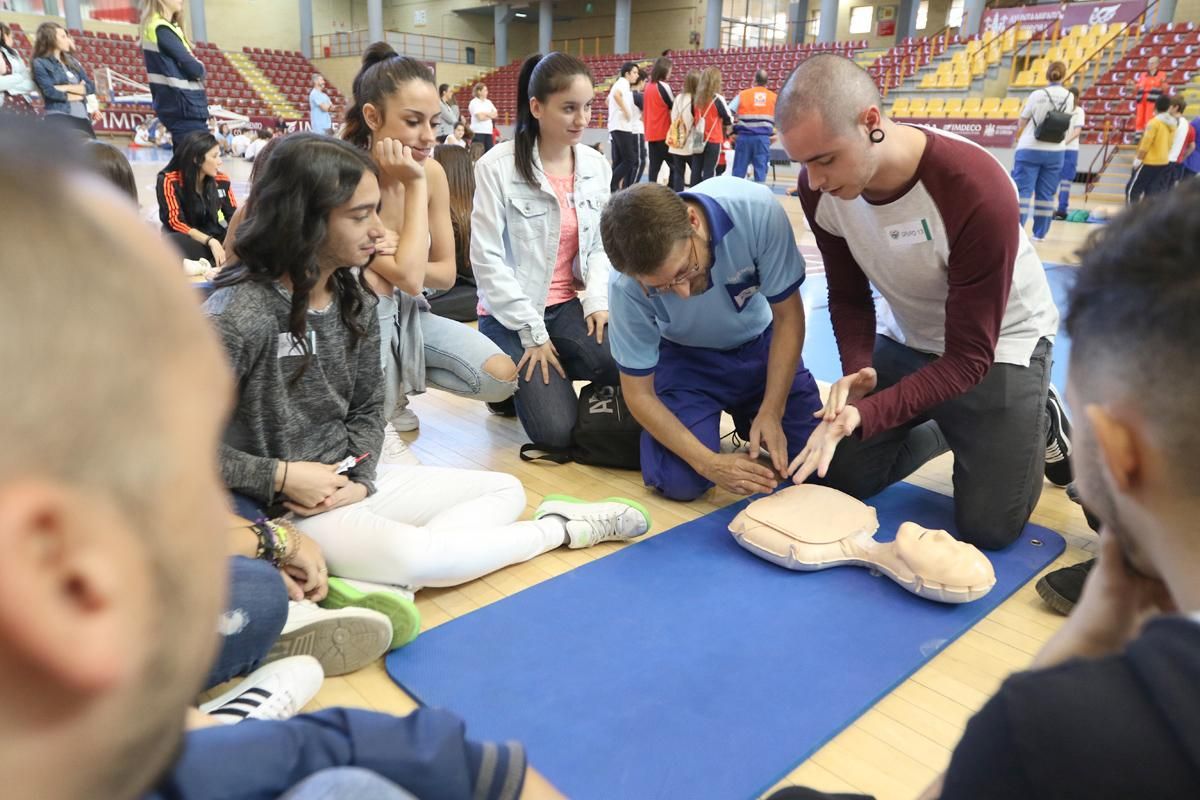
(956,352)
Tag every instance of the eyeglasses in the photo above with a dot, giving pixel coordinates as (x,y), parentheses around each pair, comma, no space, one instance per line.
(680,279)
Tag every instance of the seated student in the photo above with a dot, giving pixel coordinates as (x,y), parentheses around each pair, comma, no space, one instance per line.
(536,249)
(257,143)
(393,118)
(457,137)
(239,142)
(1108,709)
(302,334)
(141,136)
(111,578)
(195,199)
(458,303)
(707,317)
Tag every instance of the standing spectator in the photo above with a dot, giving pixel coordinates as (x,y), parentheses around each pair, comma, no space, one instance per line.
(483,113)
(656,111)
(1180,141)
(1151,165)
(639,124)
(620,127)
(319,107)
(1191,163)
(451,116)
(1038,162)
(458,136)
(684,118)
(710,108)
(546,307)
(61,79)
(16,84)
(755,128)
(1150,85)
(195,199)
(1070,156)
(176,75)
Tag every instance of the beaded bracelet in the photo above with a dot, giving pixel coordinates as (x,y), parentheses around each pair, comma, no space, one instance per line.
(274,537)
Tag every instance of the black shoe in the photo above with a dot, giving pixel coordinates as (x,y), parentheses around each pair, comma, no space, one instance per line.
(1060,215)
(1061,588)
(1058,442)
(1092,520)
(505,408)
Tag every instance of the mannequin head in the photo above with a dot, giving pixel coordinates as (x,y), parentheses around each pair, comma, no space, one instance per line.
(939,558)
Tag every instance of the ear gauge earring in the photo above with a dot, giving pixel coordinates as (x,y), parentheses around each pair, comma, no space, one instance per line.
(876,135)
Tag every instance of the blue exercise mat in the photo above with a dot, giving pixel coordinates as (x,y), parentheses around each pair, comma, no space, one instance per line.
(685,667)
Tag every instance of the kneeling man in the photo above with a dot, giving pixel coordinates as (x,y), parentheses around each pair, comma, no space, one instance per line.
(705,316)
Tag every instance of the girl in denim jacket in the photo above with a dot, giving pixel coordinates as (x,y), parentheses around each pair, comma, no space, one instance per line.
(539,264)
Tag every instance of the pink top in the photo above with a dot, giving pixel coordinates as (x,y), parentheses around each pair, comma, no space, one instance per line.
(562,284)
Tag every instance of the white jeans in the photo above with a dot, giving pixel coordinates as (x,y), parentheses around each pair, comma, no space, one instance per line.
(431,526)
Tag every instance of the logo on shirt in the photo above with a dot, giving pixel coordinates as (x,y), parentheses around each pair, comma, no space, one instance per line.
(906,233)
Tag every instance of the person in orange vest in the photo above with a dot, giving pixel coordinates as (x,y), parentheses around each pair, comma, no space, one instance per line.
(755,128)
(1150,85)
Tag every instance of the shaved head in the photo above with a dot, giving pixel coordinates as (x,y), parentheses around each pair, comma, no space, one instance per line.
(832,86)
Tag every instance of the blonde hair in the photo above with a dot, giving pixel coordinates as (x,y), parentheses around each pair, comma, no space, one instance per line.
(151,7)
(709,87)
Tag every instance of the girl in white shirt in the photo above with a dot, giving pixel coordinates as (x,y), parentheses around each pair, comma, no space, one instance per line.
(1037,164)
(457,137)
(17,90)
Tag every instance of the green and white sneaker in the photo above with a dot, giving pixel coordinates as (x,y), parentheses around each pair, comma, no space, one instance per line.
(393,602)
(589,524)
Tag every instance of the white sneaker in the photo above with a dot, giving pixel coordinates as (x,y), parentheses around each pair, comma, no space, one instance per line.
(405,420)
(343,640)
(588,524)
(197,267)
(274,692)
(395,449)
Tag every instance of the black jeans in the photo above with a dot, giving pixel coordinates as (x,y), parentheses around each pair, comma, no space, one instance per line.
(484,139)
(997,432)
(624,159)
(704,163)
(679,167)
(81,124)
(659,154)
(548,410)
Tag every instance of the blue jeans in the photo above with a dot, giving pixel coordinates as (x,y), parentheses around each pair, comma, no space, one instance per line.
(752,149)
(696,384)
(254,617)
(1036,174)
(548,411)
(336,783)
(1066,178)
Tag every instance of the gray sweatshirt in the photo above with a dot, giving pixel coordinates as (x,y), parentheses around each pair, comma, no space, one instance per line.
(333,411)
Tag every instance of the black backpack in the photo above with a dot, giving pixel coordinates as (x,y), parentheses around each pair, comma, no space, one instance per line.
(1054,126)
(605,434)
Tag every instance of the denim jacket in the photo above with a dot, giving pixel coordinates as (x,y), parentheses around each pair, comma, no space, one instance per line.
(514,238)
(48,73)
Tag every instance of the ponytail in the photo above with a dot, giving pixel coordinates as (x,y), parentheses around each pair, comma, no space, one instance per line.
(541,76)
(381,73)
(526,135)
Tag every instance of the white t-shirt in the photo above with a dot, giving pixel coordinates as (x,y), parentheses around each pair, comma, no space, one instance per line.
(1077,121)
(618,120)
(255,147)
(1181,131)
(1039,104)
(481,106)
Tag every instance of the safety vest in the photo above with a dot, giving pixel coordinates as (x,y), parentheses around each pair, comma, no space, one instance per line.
(756,112)
(176,96)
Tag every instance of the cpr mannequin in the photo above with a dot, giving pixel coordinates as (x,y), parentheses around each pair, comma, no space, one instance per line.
(810,527)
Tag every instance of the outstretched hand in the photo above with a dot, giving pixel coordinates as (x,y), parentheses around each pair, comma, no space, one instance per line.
(822,443)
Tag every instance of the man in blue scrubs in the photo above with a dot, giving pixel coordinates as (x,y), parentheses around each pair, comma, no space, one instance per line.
(705,316)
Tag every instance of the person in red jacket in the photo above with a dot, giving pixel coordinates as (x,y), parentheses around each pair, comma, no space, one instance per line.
(1150,85)
(657,116)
